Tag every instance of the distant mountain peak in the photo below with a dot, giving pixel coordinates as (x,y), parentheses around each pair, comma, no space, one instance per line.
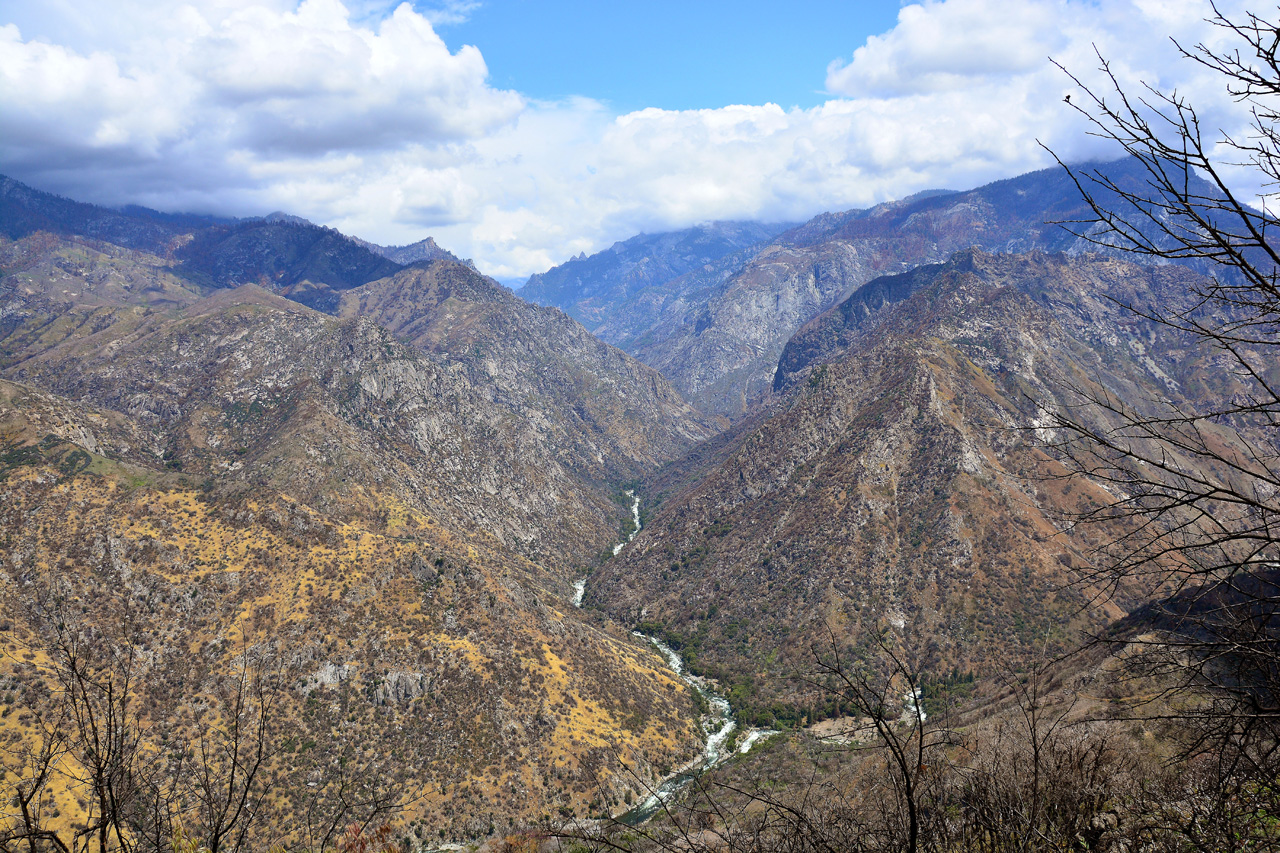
(592,287)
(281,216)
(425,249)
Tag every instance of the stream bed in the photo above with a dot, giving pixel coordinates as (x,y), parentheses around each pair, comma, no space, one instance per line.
(717,724)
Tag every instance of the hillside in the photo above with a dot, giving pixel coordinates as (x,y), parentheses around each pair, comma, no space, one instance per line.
(613,416)
(270,445)
(717,332)
(902,479)
(395,512)
(280,252)
(528,441)
(418,661)
(25,210)
(425,249)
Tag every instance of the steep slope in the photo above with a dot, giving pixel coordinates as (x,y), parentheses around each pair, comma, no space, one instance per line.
(722,354)
(308,263)
(717,331)
(54,290)
(605,412)
(593,289)
(254,391)
(902,481)
(427,665)
(281,252)
(425,249)
(499,415)
(398,516)
(25,210)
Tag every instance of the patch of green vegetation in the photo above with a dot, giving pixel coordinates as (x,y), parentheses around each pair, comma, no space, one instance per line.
(74,462)
(937,692)
(17,456)
(720,527)
(240,413)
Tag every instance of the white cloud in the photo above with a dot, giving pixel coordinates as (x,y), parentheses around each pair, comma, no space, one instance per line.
(227,92)
(361,117)
(939,47)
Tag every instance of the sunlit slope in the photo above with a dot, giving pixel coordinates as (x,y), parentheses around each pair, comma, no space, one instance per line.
(905,480)
(438,662)
(465,402)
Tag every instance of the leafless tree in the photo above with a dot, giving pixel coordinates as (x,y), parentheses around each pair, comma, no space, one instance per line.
(885,689)
(1196,479)
(226,782)
(92,743)
(89,740)
(343,799)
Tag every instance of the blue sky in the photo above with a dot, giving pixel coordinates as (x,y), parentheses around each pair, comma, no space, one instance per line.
(672,55)
(521,133)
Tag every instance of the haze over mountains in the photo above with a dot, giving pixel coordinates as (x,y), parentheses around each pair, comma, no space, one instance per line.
(391,470)
(717,327)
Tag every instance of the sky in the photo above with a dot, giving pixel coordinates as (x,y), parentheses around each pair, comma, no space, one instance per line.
(521,133)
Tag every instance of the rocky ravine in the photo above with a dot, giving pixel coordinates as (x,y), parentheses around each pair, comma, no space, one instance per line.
(398,516)
(524,436)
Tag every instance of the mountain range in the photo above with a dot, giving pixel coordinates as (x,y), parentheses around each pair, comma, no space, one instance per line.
(388,472)
(902,477)
(717,330)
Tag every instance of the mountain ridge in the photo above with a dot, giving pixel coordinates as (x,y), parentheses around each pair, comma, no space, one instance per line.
(718,333)
(900,480)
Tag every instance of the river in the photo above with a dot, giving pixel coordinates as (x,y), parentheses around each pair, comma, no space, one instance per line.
(717,725)
(580,585)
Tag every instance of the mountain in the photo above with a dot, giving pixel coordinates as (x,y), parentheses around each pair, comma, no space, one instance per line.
(25,210)
(425,249)
(625,417)
(398,510)
(281,252)
(308,263)
(717,331)
(266,444)
(466,403)
(593,289)
(417,661)
(901,478)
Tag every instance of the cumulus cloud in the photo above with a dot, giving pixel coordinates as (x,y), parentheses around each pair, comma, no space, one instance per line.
(235,90)
(959,93)
(943,47)
(360,116)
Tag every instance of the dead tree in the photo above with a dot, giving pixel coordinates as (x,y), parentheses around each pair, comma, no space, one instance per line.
(1196,479)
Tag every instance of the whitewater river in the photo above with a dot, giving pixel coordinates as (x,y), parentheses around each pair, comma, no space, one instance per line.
(580,585)
(717,725)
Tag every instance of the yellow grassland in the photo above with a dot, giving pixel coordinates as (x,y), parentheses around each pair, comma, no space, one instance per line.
(341,593)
